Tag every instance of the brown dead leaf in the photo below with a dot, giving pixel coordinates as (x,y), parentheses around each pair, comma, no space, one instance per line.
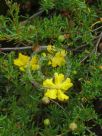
(66,36)
(36,47)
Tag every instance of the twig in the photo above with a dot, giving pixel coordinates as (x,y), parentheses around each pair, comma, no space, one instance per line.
(97,29)
(16,48)
(80,47)
(58,105)
(84,59)
(41,48)
(97,44)
(33,16)
(95,49)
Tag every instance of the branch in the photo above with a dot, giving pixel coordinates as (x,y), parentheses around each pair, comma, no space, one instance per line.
(97,44)
(40,48)
(97,29)
(94,50)
(16,48)
(32,17)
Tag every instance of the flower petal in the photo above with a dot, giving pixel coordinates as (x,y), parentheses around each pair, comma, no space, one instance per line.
(34,63)
(50,48)
(58,78)
(51,93)
(18,62)
(66,84)
(22,69)
(61,96)
(58,59)
(48,83)
(22,60)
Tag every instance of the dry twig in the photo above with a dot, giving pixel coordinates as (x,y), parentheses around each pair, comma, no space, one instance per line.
(16,48)
(33,16)
(94,50)
(41,48)
(97,44)
(97,29)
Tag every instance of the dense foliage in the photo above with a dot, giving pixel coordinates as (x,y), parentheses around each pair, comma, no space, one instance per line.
(51,68)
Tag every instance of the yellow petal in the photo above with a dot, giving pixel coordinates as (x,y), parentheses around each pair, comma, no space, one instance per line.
(55,61)
(49,63)
(59,59)
(22,69)
(50,48)
(63,53)
(35,67)
(48,83)
(66,84)
(18,62)
(22,60)
(51,93)
(34,60)
(34,63)
(58,78)
(61,96)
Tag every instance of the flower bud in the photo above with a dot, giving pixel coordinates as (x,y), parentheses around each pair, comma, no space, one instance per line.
(61,38)
(100,67)
(72,126)
(74,72)
(45,100)
(43,54)
(46,122)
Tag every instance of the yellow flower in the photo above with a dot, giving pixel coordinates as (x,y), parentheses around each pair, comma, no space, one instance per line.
(57,87)
(58,59)
(50,48)
(34,63)
(21,61)
(59,82)
(56,94)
